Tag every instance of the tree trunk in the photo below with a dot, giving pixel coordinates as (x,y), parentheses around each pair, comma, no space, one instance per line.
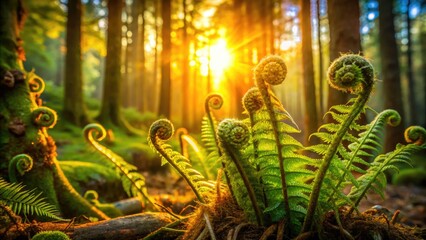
(24,123)
(423,62)
(320,60)
(343,17)
(110,110)
(165,58)
(410,76)
(74,108)
(310,118)
(185,69)
(142,86)
(390,71)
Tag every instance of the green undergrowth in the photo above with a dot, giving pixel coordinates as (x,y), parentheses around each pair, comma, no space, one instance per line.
(84,166)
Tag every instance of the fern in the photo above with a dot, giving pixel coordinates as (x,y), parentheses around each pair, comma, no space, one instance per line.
(133,182)
(277,160)
(195,152)
(375,177)
(233,137)
(353,74)
(208,129)
(25,202)
(162,130)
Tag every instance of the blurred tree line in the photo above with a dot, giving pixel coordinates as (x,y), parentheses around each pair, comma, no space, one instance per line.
(160,56)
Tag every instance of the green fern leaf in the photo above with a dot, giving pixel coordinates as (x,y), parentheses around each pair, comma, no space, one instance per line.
(25,202)
(162,130)
(375,178)
(133,182)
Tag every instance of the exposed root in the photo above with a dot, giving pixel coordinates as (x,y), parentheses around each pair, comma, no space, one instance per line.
(366,225)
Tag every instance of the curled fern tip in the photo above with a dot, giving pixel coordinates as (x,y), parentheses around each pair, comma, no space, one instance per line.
(233,132)
(163,129)
(351,73)
(415,135)
(252,100)
(271,69)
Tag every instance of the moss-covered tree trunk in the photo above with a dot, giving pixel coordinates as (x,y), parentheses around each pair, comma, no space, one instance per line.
(111,106)
(74,108)
(24,123)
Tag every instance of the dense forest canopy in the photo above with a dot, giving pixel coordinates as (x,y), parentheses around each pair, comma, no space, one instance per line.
(213,48)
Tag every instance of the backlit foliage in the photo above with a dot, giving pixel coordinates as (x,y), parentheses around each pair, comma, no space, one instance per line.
(271,175)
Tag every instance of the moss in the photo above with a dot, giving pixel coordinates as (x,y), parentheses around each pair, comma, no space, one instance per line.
(51,235)
(410,176)
(86,175)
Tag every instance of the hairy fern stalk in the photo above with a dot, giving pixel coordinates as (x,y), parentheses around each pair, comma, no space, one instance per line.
(133,182)
(268,173)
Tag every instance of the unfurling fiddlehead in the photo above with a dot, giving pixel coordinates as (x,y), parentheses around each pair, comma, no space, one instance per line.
(415,135)
(36,84)
(162,130)
(208,128)
(350,73)
(272,70)
(20,163)
(133,182)
(233,136)
(44,117)
(252,101)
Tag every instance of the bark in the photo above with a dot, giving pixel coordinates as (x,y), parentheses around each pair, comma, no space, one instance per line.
(185,69)
(390,71)
(74,108)
(110,109)
(320,60)
(410,76)
(310,118)
(128,227)
(343,17)
(423,62)
(165,58)
(24,123)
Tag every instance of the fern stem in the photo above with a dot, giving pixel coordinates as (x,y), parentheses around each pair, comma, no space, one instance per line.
(414,135)
(350,73)
(214,101)
(252,102)
(393,119)
(94,130)
(273,70)
(162,130)
(225,130)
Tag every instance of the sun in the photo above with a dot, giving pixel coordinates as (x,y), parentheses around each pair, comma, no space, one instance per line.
(215,60)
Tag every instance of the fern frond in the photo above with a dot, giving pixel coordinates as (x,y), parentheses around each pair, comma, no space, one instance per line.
(133,182)
(197,154)
(162,130)
(279,164)
(375,178)
(233,137)
(368,144)
(25,202)
(349,73)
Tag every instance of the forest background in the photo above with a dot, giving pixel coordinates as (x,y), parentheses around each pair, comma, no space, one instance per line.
(171,53)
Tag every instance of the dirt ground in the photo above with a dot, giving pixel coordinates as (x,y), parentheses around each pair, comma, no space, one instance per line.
(410,200)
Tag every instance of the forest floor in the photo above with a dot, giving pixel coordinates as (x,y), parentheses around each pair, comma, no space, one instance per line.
(174,193)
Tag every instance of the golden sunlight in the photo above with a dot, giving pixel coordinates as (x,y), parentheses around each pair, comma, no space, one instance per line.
(214,61)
